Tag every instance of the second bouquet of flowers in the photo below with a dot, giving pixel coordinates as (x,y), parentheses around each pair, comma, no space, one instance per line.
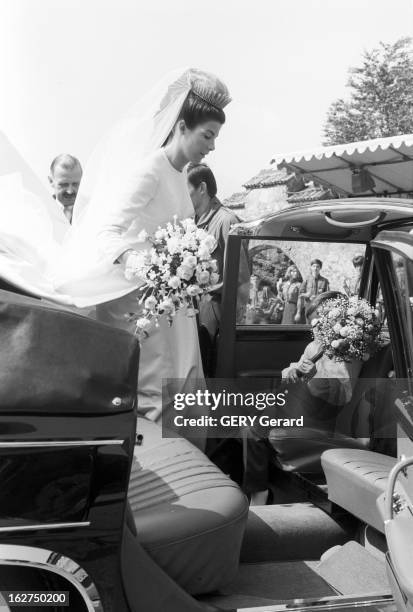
(176,270)
(348,328)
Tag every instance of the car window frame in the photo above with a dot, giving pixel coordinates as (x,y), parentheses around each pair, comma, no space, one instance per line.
(394,306)
(316,239)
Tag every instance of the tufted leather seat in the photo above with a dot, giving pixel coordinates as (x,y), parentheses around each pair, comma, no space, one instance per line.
(300,450)
(189,516)
(355,479)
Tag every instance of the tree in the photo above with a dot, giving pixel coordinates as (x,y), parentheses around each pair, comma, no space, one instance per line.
(380,101)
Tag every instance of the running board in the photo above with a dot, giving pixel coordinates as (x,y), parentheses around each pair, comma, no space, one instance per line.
(372,603)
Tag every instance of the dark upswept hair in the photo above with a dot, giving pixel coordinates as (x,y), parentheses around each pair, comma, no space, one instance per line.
(320,298)
(195,110)
(201,173)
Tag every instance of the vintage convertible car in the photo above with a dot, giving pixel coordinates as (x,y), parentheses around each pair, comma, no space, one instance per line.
(112,521)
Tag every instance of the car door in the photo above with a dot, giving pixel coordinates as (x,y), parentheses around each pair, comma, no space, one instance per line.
(268,285)
(67,432)
(393,254)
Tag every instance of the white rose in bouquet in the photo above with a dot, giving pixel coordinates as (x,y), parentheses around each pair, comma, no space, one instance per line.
(150,302)
(334,313)
(172,245)
(184,272)
(188,224)
(167,306)
(161,234)
(194,290)
(210,242)
(203,277)
(190,261)
(214,278)
(200,234)
(204,252)
(174,282)
(142,324)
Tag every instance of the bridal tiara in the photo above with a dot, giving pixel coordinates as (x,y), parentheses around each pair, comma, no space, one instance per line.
(205,85)
(209,88)
(218,99)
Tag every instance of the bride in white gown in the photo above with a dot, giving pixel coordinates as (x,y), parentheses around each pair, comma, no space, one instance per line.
(140,185)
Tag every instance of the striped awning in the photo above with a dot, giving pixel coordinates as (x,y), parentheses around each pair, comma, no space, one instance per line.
(383,166)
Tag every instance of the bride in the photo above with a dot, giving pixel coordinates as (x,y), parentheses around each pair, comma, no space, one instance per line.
(140,184)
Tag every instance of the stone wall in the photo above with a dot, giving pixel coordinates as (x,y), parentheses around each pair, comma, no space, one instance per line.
(336,258)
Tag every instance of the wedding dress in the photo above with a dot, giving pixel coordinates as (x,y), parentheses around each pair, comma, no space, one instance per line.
(158,192)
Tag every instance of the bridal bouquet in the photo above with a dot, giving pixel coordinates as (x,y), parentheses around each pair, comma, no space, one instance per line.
(348,328)
(177,269)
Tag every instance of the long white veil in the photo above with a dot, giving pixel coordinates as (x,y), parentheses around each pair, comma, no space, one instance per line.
(38,251)
(32,226)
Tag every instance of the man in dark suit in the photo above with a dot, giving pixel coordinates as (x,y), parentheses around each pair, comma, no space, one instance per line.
(312,286)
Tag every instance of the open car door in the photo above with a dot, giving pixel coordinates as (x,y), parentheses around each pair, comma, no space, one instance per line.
(67,422)
(393,251)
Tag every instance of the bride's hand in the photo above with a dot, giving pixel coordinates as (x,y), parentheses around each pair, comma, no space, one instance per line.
(129,259)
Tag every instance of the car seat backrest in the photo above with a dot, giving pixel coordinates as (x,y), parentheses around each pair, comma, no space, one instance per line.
(372,415)
(59,362)
(379,365)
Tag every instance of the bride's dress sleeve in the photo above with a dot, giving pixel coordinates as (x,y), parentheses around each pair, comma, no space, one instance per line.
(125,210)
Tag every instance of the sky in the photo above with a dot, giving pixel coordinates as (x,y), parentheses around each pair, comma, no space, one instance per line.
(69,69)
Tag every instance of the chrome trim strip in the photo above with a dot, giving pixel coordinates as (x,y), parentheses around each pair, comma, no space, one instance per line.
(326,603)
(401,465)
(44,526)
(65,567)
(58,443)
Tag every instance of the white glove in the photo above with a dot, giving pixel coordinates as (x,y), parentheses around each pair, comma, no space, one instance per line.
(130,259)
